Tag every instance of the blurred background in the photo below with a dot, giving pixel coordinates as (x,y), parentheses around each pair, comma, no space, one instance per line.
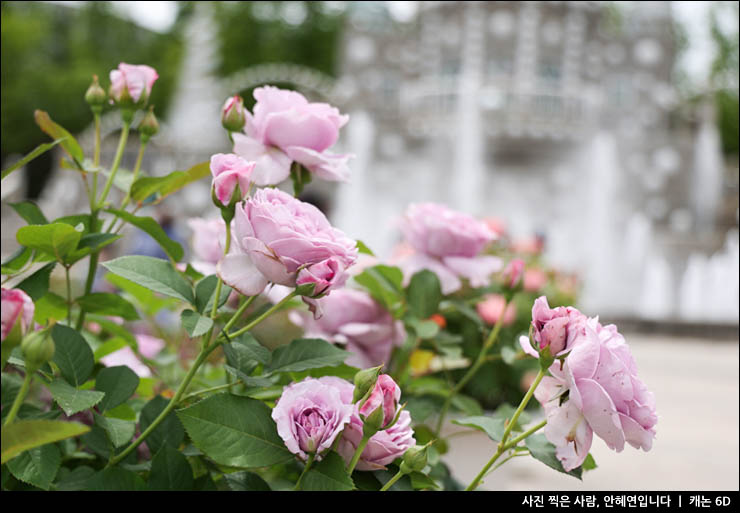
(600,136)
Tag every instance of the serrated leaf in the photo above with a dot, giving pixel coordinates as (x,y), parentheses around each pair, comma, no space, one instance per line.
(73,400)
(38,150)
(119,431)
(204,292)
(541,449)
(49,308)
(104,303)
(493,427)
(37,284)
(235,431)
(169,432)
(23,435)
(115,479)
(118,383)
(17,261)
(329,474)
(76,480)
(421,481)
(163,186)
(30,212)
(194,323)
(245,350)
(60,135)
(305,353)
(144,298)
(170,471)
(90,242)
(38,466)
(55,239)
(153,273)
(424,294)
(72,354)
(154,230)
(123,412)
(246,482)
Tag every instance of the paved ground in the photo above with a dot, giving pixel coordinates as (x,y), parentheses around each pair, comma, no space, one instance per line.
(695,382)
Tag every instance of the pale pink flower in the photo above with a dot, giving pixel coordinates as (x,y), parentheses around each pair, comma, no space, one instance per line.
(136,80)
(17,307)
(492,307)
(228,171)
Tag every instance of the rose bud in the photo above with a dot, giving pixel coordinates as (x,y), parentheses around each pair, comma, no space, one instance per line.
(17,315)
(37,349)
(148,126)
(365,381)
(95,96)
(415,459)
(318,278)
(513,274)
(233,115)
(385,395)
(229,172)
(131,85)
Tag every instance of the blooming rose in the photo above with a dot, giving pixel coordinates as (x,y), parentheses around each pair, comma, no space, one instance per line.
(554,327)
(310,414)
(133,81)
(17,307)
(492,308)
(209,236)
(604,396)
(278,237)
(447,243)
(285,127)
(354,318)
(386,445)
(228,171)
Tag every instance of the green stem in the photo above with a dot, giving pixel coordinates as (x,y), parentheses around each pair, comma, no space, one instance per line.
(69,295)
(19,398)
(127,198)
(219,285)
(479,361)
(170,406)
(503,446)
(92,268)
(262,317)
(96,162)
(309,462)
(358,453)
(239,312)
(116,163)
(392,481)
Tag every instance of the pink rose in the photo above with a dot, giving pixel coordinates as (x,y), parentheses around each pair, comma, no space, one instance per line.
(449,244)
(132,81)
(492,308)
(277,236)
(18,308)
(385,395)
(310,414)
(228,171)
(209,237)
(534,280)
(554,327)
(325,274)
(285,127)
(513,273)
(233,114)
(605,397)
(353,318)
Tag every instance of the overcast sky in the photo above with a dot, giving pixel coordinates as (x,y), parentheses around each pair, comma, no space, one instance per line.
(159,16)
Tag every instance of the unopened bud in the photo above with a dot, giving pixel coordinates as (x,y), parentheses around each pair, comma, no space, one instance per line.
(414,459)
(513,274)
(37,349)
(373,422)
(233,116)
(365,382)
(148,126)
(95,96)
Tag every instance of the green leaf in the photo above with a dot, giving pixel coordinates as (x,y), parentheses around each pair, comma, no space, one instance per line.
(147,300)
(23,435)
(423,329)
(37,466)
(421,481)
(153,273)
(467,405)
(493,427)
(90,242)
(506,411)
(246,482)
(50,307)
(30,212)
(154,230)
(384,284)
(544,451)
(204,292)
(56,239)
(165,185)
(194,323)
(362,248)
(119,431)
(72,354)
(589,463)
(104,303)
(38,150)
(328,475)
(109,346)
(17,261)
(235,431)
(424,294)
(123,412)
(37,284)
(115,479)
(118,383)
(60,135)
(170,471)
(305,353)
(73,400)
(169,432)
(245,350)
(76,480)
